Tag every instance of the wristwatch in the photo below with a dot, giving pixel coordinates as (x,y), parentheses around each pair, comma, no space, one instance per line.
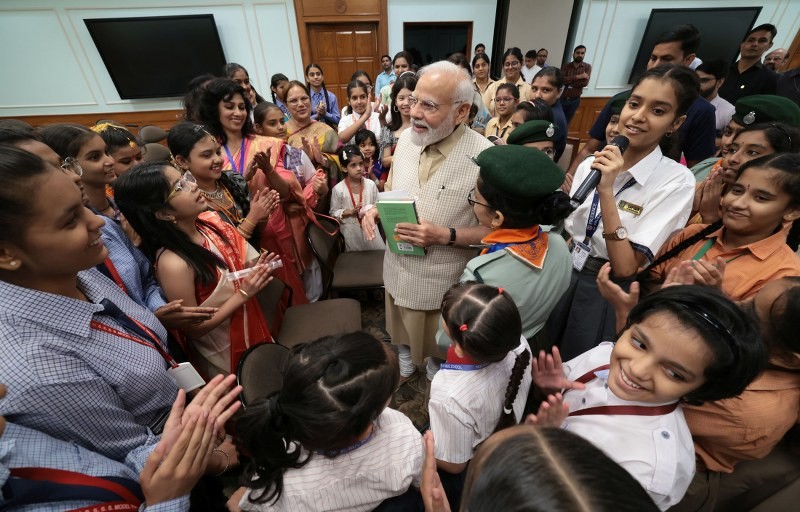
(618,234)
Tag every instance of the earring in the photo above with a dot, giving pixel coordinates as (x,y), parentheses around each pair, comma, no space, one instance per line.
(394,108)
(14,263)
(668,134)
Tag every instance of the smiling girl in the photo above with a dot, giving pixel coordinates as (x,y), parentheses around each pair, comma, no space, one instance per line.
(505,100)
(324,102)
(682,344)
(512,67)
(401,117)
(363,117)
(349,196)
(639,202)
(750,246)
(547,86)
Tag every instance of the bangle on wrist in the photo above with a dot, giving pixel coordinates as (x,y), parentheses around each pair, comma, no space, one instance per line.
(243,232)
(246,295)
(227,458)
(248,221)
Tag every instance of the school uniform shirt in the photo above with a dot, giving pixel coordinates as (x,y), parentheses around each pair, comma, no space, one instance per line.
(373,124)
(332,115)
(748,268)
(502,131)
(724,111)
(384,466)
(21,447)
(656,450)
(662,195)
(73,381)
(466,404)
(489,94)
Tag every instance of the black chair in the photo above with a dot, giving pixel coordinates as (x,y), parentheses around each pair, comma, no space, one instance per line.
(353,270)
(151,133)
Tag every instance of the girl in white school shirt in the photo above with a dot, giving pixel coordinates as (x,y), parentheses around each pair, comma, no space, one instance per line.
(682,344)
(640,201)
(327,440)
(483,385)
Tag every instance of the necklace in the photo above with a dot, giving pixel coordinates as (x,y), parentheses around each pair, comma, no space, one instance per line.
(216,194)
(227,206)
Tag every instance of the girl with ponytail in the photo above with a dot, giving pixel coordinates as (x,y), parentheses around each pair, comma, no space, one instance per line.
(327,439)
(756,239)
(324,102)
(483,385)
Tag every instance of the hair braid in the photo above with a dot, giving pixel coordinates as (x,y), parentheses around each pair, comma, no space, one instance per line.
(238,193)
(517,372)
(327,101)
(644,274)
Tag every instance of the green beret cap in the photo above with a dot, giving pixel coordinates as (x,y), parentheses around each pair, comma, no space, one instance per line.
(533,131)
(519,171)
(618,102)
(766,108)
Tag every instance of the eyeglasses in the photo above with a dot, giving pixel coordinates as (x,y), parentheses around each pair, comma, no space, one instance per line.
(548,151)
(472,202)
(71,165)
(184,183)
(428,106)
(504,99)
(512,64)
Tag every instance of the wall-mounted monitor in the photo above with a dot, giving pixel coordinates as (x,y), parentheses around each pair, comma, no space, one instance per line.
(721,31)
(156,57)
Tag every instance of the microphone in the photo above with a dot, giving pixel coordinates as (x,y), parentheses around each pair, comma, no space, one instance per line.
(593,178)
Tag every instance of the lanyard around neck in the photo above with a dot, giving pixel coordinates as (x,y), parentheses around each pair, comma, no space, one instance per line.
(594,215)
(240,170)
(708,245)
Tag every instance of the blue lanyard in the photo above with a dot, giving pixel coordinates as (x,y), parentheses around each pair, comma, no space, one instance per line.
(463,367)
(240,170)
(335,453)
(594,216)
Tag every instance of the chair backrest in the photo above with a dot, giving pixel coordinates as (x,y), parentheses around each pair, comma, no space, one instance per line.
(152,133)
(269,299)
(260,371)
(326,248)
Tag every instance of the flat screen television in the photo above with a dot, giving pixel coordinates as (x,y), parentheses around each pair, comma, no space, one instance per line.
(721,31)
(157,57)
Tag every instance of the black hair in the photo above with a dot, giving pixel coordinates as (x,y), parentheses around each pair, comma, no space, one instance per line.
(684,82)
(578,48)
(545,49)
(231,68)
(183,137)
(485,322)
(512,88)
(214,93)
(513,51)
(354,84)
(687,35)
(20,172)
(347,152)
(260,112)
(782,137)
(769,27)
(16,124)
(459,59)
(324,89)
(549,469)
(730,333)
(66,139)
(363,135)
(11,136)
(404,55)
(273,83)
(480,45)
(535,110)
(143,191)
(359,73)
(192,97)
(115,136)
(553,75)
(386,56)
(480,56)
(530,54)
(523,212)
(301,85)
(784,317)
(334,388)
(404,81)
(716,68)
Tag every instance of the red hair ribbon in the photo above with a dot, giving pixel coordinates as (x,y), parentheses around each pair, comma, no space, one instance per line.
(463,327)
(500,291)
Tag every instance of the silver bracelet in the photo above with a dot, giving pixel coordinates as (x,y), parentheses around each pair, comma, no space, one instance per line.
(227,460)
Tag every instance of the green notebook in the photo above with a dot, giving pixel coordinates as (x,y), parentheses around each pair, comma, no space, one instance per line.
(393,210)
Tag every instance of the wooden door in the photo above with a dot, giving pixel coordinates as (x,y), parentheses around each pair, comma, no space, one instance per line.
(341,49)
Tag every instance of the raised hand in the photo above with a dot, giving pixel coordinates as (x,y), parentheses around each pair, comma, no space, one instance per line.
(433,495)
(262,204)
(548,373)
(609,162)
(709,273)
(552,412)
(621,300)
(174,315)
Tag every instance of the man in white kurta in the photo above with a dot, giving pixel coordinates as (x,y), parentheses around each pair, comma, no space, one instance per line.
(433,163)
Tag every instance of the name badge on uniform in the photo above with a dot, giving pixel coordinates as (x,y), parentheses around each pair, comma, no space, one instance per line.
(625,206)
(186,377)
(580,253)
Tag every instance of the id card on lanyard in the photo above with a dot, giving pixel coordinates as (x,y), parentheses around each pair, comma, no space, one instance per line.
(581,251)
